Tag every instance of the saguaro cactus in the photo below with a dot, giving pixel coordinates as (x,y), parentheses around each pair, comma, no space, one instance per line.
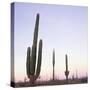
(53,64)
(32,71)
(66,72)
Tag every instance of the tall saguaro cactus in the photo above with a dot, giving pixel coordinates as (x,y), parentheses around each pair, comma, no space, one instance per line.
(66,72)
(53,64)
(33,71)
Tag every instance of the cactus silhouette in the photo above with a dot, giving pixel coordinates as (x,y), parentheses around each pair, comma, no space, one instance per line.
(33,72)
(53,64)
(66,72)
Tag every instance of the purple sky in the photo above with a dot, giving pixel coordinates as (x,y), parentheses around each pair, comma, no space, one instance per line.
(62,27)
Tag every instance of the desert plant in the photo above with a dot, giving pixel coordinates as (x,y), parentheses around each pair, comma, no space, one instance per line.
(66,71)
(33,71)
(53,64)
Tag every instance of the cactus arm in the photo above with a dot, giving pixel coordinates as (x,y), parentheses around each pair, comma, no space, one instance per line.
(33,61)
(28,62)
(39,59)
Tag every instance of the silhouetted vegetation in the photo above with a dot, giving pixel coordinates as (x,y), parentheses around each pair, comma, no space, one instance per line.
(53,82)
(32,71)
(66,72)
(53,64)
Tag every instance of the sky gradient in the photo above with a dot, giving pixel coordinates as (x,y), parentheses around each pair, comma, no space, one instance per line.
(62,27)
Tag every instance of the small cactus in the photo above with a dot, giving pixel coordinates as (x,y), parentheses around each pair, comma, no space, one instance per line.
(66,72)
(53,64)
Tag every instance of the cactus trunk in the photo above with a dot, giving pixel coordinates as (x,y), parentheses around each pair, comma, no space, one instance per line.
(34,47)
(39,58)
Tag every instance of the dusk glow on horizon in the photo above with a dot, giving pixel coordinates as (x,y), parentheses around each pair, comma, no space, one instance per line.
(61,27)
